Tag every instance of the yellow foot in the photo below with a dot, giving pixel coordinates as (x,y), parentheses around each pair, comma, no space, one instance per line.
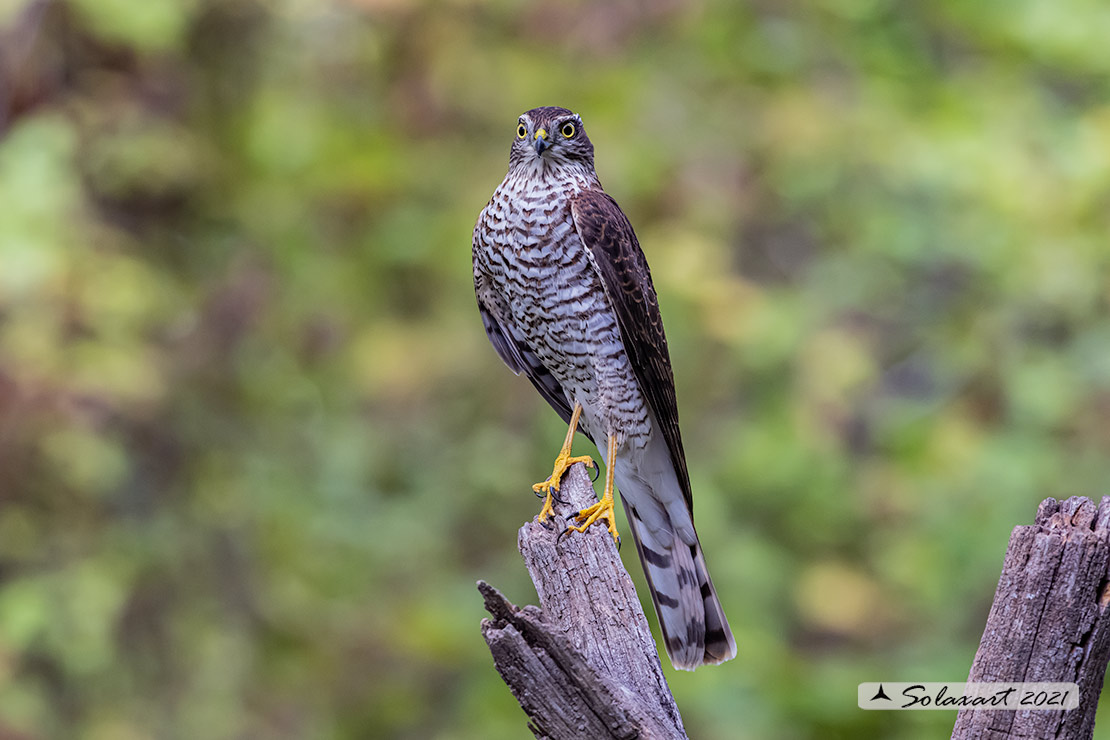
(603,509)
(562,462)
(547,510)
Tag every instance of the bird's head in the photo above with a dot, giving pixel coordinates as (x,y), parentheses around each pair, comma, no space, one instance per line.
(551,134)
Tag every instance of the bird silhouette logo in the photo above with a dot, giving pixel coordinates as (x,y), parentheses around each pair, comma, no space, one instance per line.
(880,694)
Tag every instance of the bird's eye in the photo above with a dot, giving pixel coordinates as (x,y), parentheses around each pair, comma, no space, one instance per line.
(521,132)
(568,130)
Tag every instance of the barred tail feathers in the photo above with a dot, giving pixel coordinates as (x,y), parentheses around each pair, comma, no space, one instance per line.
(695,631)
(719,643)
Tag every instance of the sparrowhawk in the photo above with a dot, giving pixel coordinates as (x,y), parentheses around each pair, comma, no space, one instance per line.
(566,298)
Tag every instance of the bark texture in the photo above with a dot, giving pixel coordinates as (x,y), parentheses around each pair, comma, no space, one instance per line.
(584,663)
(1049,621)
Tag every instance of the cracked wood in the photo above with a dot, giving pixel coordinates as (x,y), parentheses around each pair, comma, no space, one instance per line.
(1049,621)
(583,663)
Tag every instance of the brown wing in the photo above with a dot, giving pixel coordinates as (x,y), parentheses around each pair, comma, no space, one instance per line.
(605,230)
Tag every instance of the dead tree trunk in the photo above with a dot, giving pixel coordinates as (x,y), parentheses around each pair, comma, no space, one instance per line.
(1049,621)
(582,664)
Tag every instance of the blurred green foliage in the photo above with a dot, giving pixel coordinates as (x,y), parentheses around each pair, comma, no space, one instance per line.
(255,450)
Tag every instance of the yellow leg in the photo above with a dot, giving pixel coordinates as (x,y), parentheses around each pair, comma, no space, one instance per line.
(562,461)
(603,509)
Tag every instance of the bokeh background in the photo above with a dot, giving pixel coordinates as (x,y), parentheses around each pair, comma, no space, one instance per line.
(255,449)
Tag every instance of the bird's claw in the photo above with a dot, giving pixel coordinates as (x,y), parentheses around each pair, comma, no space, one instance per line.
(603,509)
(549,489)
(562,462)
(547,510)
(550,492)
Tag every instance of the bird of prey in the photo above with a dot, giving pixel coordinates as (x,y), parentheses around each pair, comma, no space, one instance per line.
(566,298)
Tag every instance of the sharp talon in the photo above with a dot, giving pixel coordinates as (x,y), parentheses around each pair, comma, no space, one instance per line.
(603,509)
(597,472)
(539,488)
(562,534)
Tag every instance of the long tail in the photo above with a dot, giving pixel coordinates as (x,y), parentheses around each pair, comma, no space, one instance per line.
(694,627)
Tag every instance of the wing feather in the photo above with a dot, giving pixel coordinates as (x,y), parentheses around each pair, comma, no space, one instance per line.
(607,233)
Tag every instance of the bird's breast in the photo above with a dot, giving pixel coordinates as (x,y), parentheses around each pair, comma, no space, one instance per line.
(546,278)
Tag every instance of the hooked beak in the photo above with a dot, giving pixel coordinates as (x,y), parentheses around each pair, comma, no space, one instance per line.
(541,142)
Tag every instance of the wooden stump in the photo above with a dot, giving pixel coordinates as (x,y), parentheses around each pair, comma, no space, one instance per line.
(584,663)
(1049,621)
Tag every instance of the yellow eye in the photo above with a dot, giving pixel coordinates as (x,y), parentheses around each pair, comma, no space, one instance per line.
(568,130)
(521,132)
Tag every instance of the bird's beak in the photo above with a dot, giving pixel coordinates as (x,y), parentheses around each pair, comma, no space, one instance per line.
(541,141)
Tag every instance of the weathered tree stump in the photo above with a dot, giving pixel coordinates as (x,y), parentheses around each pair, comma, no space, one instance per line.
(584,663)
(1049,621)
